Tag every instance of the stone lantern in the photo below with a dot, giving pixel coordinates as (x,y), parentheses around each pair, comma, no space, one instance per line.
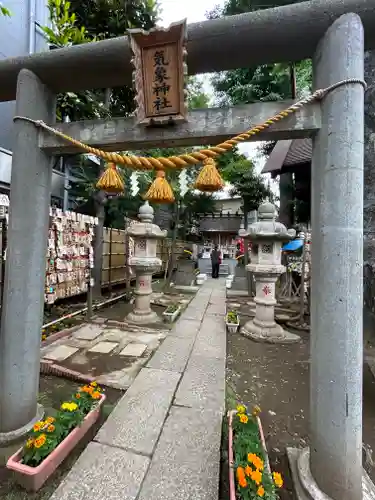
(144,263)
(267,237)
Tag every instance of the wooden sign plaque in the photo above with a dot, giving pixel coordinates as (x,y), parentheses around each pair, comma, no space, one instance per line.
(159,74)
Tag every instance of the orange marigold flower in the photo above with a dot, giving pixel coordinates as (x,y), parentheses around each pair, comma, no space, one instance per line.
(242,482)
(51,428)
(260,491)
(244,418)
(95,395)
(50,420)
(278,480)
(78,395)
(39,442)
(256,476)
(248,470)
(38,426)
(240,473)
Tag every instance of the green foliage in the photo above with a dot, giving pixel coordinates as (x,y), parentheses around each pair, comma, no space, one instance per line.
(232,317)
(246,183)
(172,308)
(4,11)
(197,98)
(253,478)
(268,82)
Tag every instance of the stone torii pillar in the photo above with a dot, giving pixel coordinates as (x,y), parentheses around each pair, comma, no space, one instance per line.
(145,263)
(22,310)
(332,468)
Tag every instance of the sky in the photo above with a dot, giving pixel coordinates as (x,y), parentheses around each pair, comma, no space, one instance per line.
(195,11)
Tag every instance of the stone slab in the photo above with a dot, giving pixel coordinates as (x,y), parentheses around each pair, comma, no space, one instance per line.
(172,355)
(186,462)
(211,339)
(194,313)
(105,473)
(60,353)
(186,328)
(203,384)
(368,487)
(103,347)
(237,293)
(135,350)
(88,332)
(137,420)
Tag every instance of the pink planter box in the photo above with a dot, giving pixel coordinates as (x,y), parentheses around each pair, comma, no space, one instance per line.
(33,478)
(232,484)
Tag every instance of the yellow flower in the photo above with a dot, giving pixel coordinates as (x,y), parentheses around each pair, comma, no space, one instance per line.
(40,441)
(256,476)
(260,491)
(50,420)
(50,428)
(278,480)
(30,443)
(256,411)
(244,418)
(241,409)
(69,406)
(94,384)
(44,336)
(38,426)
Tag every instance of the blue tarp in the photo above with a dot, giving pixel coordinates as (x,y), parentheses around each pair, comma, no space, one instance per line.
(293,245)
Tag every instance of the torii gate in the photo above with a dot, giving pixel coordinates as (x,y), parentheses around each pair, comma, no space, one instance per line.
(327,31)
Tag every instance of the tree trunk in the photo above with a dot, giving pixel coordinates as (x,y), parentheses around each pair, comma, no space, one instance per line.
(100,202)
(172,258)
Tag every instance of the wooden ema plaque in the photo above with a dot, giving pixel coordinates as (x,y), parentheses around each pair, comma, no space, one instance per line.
(159,74)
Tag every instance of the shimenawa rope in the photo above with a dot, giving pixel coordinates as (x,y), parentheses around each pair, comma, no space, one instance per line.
(208,180)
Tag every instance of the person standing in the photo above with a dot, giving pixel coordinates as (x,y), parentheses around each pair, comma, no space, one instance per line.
(215,262)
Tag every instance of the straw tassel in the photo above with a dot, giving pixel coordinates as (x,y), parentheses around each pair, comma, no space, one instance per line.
(209,178)
(111,181)
(160,191)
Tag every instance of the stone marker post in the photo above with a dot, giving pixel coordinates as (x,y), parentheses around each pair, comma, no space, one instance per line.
(267,237)
(22,315)
(334,469)
(145,263)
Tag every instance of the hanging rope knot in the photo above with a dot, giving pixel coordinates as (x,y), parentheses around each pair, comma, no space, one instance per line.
(111,181)
(160,191)
(209,178)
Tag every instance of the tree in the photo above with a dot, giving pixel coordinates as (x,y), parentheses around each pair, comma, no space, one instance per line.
(75,23)
(268,82)
(247,184)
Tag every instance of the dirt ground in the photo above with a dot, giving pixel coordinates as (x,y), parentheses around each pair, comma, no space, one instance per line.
(277,379)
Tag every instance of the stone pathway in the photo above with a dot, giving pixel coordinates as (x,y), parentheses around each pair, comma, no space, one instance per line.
(112,352)
(162,441)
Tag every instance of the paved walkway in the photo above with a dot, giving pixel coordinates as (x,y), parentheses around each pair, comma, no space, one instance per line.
(162,441)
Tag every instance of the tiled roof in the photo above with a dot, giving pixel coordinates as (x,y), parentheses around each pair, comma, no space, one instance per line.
(287,154)
(229,224)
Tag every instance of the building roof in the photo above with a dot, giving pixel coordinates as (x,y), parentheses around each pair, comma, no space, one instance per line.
(224,224)
(288,154)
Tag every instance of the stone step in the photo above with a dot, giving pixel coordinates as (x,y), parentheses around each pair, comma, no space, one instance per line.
(136,422)
(186,461)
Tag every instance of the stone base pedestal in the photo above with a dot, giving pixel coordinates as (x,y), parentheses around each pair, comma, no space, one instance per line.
(273,334)
(142,318)
(305,485)
(7,438)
